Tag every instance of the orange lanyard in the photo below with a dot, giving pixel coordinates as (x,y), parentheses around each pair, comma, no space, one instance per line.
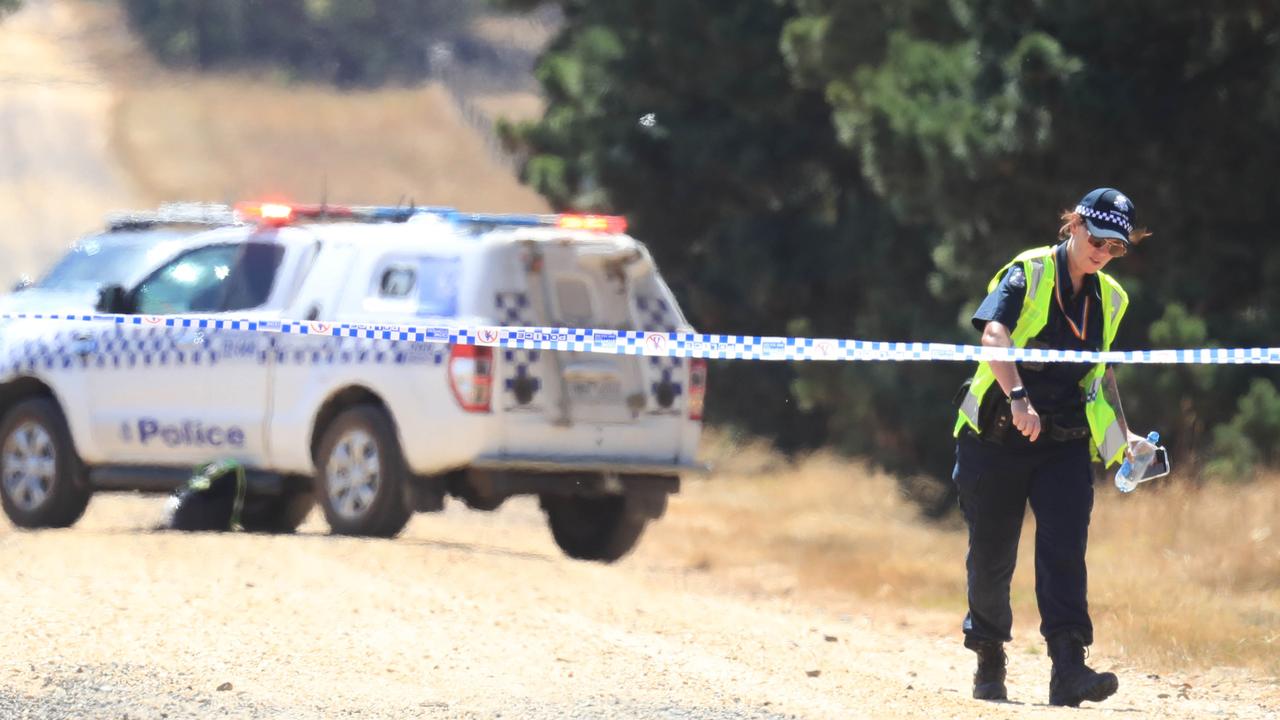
(1083,328)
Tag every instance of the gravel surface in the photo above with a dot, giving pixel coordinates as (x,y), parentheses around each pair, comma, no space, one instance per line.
(466,615)
(474,615)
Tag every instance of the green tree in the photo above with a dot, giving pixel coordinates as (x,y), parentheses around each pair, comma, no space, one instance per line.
(860,168)
(683,117)
(343,41)
(8,6)
(983,118)
(1249,439)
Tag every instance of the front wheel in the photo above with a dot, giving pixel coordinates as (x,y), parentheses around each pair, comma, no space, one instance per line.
(603,528)
(42,482)
(361,477)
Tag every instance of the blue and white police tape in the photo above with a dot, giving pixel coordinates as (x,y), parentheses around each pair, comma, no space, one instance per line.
(671,344)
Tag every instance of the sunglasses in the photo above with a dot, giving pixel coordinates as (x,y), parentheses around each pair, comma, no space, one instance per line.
(1114,247)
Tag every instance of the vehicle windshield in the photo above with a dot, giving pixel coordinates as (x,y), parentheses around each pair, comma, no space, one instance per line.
(107,259)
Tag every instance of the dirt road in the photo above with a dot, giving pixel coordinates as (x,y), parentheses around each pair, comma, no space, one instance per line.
(57,177)
(467,615)
(476,615)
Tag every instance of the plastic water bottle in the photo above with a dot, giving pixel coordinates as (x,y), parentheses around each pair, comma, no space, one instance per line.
(1131,471)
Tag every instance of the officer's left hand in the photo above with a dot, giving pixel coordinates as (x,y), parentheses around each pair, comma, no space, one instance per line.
(1134,439)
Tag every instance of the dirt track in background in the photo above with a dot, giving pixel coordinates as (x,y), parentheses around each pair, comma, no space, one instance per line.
(465,615)
(90,124)
(478,615)
(57,175)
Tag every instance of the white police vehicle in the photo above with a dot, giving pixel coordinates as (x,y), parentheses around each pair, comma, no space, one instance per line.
(130,245)
(370,429)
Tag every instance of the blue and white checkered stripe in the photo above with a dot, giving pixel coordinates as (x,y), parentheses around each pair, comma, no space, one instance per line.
(156,345)
(670,344)
(656,317)
(1116,218)
(522,359)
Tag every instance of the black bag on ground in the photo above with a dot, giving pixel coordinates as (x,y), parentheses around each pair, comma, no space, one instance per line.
(211,501)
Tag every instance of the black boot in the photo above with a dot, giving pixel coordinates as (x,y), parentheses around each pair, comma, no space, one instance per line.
(988,679)
(1071,681)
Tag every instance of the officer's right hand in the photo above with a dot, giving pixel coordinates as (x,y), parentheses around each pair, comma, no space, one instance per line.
(1025,418)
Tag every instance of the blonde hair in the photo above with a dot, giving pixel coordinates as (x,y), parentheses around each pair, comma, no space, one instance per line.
(1070,217)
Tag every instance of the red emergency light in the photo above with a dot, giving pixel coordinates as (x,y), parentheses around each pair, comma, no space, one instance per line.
(599,223)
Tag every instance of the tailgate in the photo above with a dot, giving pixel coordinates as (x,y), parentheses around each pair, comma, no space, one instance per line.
(569,404)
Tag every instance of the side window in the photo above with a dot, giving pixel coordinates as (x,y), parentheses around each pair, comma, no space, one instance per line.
(438,286)
(426,286)
(216,278)
(397,282)
(252,278)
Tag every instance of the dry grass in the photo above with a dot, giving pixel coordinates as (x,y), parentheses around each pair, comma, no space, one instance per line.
(224,137)
(516,106)
(1180,577)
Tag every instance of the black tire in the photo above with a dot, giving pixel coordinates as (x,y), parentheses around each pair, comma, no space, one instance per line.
(64,493)
(280,514)
(603,528)
(387,511)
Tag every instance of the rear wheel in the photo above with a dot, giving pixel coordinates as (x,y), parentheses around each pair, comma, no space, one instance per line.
(361,477)
(603,528)
(42,482)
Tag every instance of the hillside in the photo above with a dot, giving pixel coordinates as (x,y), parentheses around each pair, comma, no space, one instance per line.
(98,126)
(728,603)
(58,172)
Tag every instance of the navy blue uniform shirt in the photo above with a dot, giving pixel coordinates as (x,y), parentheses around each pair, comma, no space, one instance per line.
(1052,387)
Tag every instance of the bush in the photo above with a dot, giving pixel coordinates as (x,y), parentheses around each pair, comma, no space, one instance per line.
(1249,439)
(348,42)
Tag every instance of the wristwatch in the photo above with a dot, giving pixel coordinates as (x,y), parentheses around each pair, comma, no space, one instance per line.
(1017,393)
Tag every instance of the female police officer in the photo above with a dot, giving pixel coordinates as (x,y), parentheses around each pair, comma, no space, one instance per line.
(1029,432)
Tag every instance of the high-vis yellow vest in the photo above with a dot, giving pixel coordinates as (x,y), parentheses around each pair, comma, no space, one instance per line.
(1040,269)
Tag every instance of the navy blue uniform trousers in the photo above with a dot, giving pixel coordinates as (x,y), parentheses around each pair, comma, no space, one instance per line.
(995,484)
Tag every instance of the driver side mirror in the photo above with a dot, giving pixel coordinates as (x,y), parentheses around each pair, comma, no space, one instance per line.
(115,300)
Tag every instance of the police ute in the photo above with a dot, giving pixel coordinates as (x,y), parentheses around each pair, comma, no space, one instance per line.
(372,428)
(130,245)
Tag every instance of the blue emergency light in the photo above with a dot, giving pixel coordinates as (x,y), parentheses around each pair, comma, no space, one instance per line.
(271,213)
(564,221)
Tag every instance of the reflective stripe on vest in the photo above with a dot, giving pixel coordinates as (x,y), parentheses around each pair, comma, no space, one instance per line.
(1108,438)
(1113,442)
(1037,272)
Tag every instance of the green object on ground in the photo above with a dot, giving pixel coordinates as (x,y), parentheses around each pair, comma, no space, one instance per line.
(206,475)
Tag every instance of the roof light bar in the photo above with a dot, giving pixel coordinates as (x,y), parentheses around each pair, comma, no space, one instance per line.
(284,213)
(599,223)
(275,211)
(565,221)
(177,213)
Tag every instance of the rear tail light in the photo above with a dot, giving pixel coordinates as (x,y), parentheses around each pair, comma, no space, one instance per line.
(697,387)
(471,376)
